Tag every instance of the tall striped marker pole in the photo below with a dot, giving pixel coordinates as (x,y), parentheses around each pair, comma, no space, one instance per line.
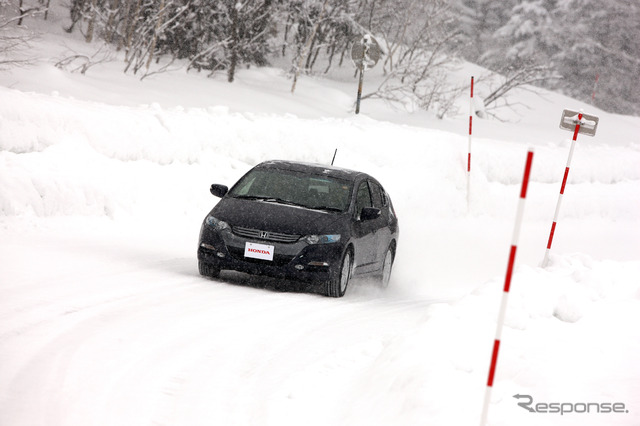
(595,85)
(507,285)
(586,124)
(564,184)
(469,150)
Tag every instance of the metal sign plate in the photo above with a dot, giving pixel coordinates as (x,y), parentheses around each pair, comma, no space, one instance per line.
(365,52)
(588,123)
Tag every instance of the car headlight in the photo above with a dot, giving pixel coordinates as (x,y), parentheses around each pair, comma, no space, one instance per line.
(218,225)
(322,239)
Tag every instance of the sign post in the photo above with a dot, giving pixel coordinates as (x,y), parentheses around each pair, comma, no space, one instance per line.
(365,53)
(360,80)
(577,122)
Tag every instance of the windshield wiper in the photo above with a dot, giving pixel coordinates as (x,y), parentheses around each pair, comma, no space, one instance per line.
(326,208)
(251,197)
(282,201)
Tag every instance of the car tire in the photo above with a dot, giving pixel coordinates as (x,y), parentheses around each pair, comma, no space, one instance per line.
(337,286)
(387,265)
(208,270)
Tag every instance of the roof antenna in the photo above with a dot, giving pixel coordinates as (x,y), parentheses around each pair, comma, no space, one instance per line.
(334,156)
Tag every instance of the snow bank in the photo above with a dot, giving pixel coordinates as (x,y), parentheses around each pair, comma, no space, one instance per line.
(70,157)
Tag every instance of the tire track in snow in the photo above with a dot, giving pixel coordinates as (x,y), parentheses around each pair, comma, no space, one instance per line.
(94,340)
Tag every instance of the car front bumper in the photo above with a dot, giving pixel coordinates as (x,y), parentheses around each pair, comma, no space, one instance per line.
(298,261)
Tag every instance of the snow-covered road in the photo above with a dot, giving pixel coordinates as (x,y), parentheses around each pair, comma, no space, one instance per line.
(104,329)
(104,323)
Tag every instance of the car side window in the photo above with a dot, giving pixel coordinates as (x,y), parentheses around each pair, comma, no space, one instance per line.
(385,197)
(377,193)
(363,199)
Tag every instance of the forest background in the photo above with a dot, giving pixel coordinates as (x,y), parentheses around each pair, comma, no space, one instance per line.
(586,49)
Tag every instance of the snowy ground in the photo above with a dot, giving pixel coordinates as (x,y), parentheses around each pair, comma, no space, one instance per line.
(104,319)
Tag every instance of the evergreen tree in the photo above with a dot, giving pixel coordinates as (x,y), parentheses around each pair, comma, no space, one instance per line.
(529,36)
(601,39)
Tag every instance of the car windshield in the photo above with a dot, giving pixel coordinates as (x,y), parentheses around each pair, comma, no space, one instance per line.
(296,188)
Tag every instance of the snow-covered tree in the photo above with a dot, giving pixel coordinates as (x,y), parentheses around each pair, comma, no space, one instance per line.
(318,27)
(601,39)
(529,36)
(575,39)
(247,29)
(420,39)
(14,37)
(527,41)
(211,35)
(198,37)
(147,25)
(479,20)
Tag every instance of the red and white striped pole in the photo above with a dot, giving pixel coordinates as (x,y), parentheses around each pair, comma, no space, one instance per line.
(507,285)
(564,183)
(595,85)
(469,150)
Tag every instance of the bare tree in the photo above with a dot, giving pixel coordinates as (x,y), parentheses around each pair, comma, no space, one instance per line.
(143,34)
(78,62)
(247,33)
(25,10)
(78,9)
(420,39)
(514,77)
(154,38)
(303,53)
(14,38)
(317,28)
(15,11)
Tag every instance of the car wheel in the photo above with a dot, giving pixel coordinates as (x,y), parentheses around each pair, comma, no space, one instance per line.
(338,285)
(387,265)
(208,270)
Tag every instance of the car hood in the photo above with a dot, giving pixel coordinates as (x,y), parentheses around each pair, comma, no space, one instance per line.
(275,217)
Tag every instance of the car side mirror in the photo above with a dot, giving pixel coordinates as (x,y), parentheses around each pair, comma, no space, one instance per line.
(219,190)
(369,213)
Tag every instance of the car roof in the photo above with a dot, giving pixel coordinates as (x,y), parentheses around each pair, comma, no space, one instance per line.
(319,169)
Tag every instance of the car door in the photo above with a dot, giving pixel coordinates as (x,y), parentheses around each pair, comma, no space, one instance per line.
(381,230)
(364,232)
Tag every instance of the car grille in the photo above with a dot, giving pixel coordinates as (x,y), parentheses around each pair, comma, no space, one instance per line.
(263,235)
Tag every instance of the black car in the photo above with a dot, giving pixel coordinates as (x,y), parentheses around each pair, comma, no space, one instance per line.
(306,222)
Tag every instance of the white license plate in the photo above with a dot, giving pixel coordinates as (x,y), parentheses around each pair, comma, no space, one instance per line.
(258,251)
